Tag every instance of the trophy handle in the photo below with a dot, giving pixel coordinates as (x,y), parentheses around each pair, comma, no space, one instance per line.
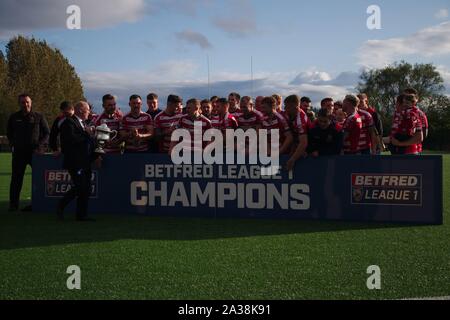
(114,135)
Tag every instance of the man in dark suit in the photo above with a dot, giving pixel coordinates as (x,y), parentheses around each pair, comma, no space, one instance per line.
(78,146)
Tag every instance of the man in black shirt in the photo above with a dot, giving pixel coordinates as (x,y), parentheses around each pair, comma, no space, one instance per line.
(27,133)
(325,138)
(67,111)
(152,103)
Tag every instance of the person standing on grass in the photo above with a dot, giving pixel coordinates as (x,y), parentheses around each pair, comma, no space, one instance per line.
(28,134)
(376,132)
(67,111)
(406,133)
(422,116)
(298,123)
(352,127)
(78,147)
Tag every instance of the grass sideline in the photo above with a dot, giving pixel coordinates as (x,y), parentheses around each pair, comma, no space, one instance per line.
(132,257)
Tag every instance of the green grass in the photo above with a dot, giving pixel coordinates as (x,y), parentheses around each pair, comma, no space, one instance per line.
(134,257)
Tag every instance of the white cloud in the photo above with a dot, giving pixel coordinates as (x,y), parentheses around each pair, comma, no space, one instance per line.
(348,79)
(239,19)
(185,7)
(28,15)
(445,73)
(441,14)
(429,42)
(311,76)
(194,38)
(239,27)
(183,78)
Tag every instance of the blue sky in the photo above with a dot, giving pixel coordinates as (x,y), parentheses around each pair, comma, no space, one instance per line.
(138,46)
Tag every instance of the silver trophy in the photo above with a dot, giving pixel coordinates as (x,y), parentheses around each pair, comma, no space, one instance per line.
(103,134)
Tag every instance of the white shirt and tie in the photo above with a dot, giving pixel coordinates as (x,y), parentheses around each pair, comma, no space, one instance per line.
(81,122)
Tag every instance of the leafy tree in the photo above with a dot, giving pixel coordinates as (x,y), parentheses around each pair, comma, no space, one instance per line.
(6,105)
(384,85)
(438,113)
(43,72)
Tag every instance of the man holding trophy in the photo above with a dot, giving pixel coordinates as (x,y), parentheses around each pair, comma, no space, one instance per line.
(108,123)
(78,148)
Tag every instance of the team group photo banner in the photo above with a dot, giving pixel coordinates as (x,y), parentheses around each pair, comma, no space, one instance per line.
(351,188)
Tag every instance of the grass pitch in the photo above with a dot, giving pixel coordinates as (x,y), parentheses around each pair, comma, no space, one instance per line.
(131,257)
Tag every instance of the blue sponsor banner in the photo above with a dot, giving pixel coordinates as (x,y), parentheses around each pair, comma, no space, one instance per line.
(359,188)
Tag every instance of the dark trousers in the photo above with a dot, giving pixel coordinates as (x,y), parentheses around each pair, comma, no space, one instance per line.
(81,190)
(20,160)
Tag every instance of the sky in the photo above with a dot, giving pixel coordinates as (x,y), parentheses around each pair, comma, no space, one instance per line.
(310,48)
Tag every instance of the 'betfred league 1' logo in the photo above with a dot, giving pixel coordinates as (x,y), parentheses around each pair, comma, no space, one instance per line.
(386,189)
(58,182)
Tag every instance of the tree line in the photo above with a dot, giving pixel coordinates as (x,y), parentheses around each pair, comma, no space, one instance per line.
(384,85)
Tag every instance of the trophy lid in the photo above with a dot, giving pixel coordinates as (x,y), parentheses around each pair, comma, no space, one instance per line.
(103,128)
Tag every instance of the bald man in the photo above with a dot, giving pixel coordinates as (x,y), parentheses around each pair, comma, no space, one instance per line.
(78,146)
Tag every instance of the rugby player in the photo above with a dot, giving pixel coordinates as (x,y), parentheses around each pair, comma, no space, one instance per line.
(368,143)
(305,104)
(279,102)
(233,100)
(249,117)
(299,124)
(214,106)
(224,119)
(166,122)
(206,108)
(258,101)
(136,128)
(422,115)
(188,121)
(275,121)
(112,118)
(352,126)
(406,132)
(376,130)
